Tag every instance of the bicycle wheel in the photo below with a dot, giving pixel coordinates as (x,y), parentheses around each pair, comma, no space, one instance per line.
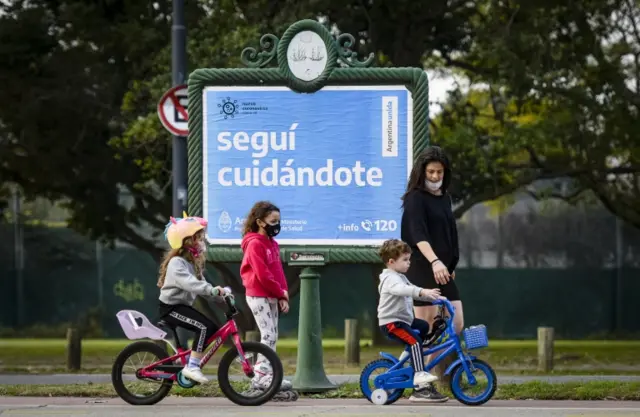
(251,350)
(141,350)
(393,395)
(486,390)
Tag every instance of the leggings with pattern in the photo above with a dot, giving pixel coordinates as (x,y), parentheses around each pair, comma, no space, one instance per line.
(265,312)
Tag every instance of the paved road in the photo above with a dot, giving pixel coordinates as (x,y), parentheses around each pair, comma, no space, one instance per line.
(62,379)
(197,407)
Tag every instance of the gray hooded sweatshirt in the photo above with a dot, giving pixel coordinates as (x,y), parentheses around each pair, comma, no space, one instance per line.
(396,298)
(181,285)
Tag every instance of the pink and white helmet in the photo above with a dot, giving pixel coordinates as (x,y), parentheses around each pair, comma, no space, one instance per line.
(179,229)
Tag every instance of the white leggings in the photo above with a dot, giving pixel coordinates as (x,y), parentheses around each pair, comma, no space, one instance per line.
(265,312)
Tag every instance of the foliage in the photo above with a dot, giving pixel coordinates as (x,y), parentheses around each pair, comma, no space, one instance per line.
(577,237)
(576,65)
(558,98)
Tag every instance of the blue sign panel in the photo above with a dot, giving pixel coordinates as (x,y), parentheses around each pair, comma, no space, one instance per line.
(336,162)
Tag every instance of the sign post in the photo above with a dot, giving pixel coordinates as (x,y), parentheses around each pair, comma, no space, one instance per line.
(309,127)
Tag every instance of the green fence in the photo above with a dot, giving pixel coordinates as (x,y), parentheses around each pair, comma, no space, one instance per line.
(65,280)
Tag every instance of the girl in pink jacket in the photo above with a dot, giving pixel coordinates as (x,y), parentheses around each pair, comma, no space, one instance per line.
(264,280)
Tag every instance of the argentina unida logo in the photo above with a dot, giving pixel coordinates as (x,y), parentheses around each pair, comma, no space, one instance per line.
(228,108)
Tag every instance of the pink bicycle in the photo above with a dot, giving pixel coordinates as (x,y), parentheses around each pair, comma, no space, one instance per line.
(164,370)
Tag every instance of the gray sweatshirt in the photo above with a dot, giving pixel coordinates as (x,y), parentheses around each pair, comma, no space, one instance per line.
(396,298)
(181,285)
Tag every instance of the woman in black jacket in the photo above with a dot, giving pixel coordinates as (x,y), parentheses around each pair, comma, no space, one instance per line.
(429,227)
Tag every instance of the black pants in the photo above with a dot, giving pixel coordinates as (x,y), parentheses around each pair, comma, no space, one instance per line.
(180,315)
(421,274)
(402,333)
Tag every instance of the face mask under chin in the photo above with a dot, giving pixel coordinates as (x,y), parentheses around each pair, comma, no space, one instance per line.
(433,186)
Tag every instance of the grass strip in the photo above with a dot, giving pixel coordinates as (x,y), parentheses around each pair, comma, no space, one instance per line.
(597,390)
(501,354)
(290,369)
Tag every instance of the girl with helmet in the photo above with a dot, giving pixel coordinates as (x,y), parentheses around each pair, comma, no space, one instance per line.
(180,280)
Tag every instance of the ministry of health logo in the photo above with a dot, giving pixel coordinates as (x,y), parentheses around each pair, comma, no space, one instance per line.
(228,108)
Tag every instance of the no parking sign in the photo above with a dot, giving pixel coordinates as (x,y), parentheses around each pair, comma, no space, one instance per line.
(172,110)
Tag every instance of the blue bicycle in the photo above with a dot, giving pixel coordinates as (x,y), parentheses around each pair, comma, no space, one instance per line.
(396,377)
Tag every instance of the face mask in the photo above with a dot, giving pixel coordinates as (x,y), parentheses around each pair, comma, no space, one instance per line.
(272,229)
(195,251)
(433,186)
(198,249)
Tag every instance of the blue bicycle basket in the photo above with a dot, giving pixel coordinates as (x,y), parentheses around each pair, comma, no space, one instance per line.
(475,337)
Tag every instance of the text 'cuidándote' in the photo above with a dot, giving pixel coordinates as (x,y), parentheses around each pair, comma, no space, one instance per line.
(284,172)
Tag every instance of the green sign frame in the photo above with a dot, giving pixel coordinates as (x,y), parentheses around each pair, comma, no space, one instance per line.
(271,67)
(342,68)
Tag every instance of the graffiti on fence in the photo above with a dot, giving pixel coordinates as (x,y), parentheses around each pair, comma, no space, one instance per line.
(129,292)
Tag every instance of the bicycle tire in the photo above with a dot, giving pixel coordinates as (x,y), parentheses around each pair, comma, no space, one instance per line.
(394,394)
(457,373)
(116,374)
(223,374)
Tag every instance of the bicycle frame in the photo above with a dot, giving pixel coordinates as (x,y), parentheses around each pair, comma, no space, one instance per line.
(399,370)
(229,330)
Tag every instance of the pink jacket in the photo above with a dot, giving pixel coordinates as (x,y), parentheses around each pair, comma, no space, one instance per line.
(261,269)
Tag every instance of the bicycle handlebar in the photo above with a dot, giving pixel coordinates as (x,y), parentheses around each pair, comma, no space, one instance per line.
(227,299)
(447,304)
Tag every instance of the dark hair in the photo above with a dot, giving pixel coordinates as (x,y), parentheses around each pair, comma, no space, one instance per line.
(418,176)
(260,210)
(393,249)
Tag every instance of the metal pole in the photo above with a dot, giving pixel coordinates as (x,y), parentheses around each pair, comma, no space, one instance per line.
(100,272)
(18,257)
(619,264)
(179,70)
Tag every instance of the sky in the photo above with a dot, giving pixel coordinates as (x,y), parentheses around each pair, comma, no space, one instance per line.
(440,83)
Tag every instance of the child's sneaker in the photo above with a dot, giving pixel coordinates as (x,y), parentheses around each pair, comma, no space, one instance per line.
(428,395)
(421,379)
(194,374)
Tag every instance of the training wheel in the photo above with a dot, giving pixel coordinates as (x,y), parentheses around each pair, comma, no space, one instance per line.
(379,397)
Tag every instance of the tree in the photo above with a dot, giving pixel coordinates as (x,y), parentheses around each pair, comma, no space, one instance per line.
(577,63)
(486,142)
(65,67)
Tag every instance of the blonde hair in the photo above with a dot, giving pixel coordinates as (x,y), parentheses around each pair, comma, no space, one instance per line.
(198,263)
(393,249)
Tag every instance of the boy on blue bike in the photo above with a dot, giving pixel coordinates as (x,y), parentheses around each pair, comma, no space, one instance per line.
(395,308)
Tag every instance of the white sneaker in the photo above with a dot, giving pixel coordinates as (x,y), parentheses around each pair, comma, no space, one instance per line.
(194,374)
(421,379)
